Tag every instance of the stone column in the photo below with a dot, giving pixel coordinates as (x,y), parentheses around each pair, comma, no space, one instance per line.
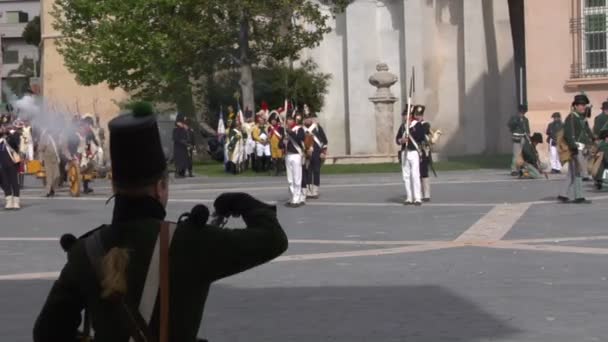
(384,103)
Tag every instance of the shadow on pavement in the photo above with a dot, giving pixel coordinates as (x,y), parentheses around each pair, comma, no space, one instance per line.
(407,313)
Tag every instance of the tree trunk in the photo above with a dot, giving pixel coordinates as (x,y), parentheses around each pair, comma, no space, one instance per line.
(246,81)
(185,101)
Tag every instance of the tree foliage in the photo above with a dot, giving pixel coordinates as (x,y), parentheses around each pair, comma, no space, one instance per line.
(274,83)
(161,49)
(31,33)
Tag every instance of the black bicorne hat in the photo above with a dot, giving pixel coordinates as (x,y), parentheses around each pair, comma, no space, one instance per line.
(537,137)
(580,99)
(135,148)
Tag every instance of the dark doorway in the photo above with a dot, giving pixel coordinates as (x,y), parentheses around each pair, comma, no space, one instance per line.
(518,29)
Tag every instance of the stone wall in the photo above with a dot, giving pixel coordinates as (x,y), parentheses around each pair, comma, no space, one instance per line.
(463,55)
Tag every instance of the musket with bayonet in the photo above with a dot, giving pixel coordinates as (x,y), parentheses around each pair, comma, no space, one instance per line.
(406,131)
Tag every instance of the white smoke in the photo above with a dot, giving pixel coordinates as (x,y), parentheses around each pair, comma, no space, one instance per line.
(40,113)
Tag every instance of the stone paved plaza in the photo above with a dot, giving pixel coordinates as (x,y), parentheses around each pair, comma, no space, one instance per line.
(491,259)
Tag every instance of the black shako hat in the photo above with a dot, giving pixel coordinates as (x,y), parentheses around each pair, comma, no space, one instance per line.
(522,108)
(135,148)
(537,137)
(418,110)
(580,99)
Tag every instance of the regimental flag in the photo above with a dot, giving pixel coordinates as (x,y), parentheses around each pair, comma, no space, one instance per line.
(221,127)
(240,114)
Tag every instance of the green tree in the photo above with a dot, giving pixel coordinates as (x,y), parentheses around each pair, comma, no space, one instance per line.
(274,83)
(154,49)
(273,29)
(161,49)
(31,33)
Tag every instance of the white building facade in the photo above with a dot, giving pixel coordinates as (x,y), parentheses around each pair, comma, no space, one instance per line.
(463,56)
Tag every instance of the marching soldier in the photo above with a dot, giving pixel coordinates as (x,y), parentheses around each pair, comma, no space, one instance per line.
(49,153)
(520,128)
(142,277)
(410,139)
(88,152)
(10,159)
(599,177)
(191,147)
(532,166)
(578,136)
(262,145)
(236,147)
(425,153)
(552,129)
(294,139)
(316,155)
(601,121)
(249,157)
(180,146)
(276,133)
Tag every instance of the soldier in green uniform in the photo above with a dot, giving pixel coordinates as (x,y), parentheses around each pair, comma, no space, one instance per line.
(532,165)
(520,128)
(601,121)
(599,176)
(578,136)
(120,279)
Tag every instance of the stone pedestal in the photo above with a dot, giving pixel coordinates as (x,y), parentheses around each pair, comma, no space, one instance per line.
(384,107)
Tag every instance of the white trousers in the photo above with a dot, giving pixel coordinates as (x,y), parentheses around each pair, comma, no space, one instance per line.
(411,175)
(262,150)
(293,165)
(555,163)
(250,146)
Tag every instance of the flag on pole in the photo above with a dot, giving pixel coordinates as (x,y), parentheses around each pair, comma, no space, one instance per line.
(240,114)
(221,127)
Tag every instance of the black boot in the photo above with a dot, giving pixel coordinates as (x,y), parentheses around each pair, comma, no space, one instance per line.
(86,189)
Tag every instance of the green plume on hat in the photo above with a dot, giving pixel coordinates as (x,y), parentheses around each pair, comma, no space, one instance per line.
(141,108)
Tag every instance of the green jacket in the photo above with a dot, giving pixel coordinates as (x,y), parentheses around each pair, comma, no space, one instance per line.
(602,147)
(199,255)
(601,121)
(519,125)
(552,130)
(576,130)
(529,153)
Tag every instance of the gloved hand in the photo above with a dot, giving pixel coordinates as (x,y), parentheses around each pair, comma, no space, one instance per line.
(237,203)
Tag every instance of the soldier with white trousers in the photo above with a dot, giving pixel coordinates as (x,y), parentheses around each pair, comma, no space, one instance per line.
(410,140)
(293,162)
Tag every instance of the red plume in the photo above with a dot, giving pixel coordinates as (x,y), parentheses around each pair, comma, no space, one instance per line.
(264,106)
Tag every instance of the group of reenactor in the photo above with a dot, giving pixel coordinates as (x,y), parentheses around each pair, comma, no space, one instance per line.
(571,142)
(416,156)
(54,149)
(287,139)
